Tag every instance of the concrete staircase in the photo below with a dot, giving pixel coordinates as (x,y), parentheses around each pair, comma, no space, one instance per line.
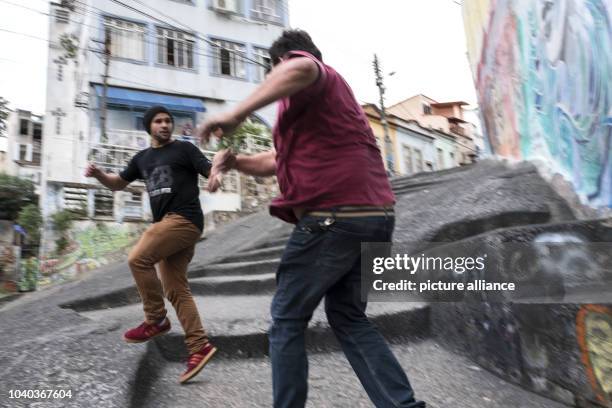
(232,278)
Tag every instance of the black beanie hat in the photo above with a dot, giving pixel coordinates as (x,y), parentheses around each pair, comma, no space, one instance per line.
(150,114)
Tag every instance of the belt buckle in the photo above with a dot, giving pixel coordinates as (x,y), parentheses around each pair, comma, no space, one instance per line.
(328,221)
(324,225)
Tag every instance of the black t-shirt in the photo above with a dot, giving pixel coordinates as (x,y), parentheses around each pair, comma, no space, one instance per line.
(171,175)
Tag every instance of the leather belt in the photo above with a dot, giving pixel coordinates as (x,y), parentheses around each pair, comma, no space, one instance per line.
(354,211)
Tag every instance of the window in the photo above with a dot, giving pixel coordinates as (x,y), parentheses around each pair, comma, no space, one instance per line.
(228,59)
(418,160)
(103,203)
(452,159)
(75,200)
(23,152)
(62,16)
(407,153)
(268,10)
(175,48)
(36,157)
(440,159)
(127,39)
(139,125)
(426,109)
(263,57)
(37,133)
(133,205)
(24,127)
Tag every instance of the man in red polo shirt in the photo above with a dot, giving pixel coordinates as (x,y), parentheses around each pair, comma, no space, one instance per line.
(333,186)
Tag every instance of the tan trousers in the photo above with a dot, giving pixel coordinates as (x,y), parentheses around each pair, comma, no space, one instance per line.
(171,243)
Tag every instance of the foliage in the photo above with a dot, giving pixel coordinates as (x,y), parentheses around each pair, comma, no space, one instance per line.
(15,193)
(69,4)
(31,221)
(62,222)
(70,43)
(30,274)
(237,141)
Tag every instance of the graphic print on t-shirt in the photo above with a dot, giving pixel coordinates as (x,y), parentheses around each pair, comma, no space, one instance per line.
(159,181)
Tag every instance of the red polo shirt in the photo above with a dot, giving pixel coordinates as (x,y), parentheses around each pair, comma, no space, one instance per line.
(326,153)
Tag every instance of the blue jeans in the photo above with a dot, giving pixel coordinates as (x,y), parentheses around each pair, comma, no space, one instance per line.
(325,260)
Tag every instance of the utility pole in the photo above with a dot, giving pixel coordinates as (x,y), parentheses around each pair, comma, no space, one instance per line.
(107,54)
(383,116)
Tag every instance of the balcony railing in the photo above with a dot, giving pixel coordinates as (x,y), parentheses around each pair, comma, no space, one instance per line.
(134,139)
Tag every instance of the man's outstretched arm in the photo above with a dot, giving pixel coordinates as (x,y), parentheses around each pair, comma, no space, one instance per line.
(109,180)
(260,164)
(286,79)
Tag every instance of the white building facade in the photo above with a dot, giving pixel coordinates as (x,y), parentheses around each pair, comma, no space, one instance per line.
(195,57)
(24,146)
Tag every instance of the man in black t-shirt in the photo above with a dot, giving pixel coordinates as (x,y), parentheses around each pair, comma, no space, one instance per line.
(170,170)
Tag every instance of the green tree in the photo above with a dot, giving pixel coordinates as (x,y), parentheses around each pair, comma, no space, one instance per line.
(15,193)
(62,222)
(237,140)
(70,44)
(29,274)
(31,221)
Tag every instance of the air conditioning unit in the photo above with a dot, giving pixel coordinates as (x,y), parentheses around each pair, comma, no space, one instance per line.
(225,6)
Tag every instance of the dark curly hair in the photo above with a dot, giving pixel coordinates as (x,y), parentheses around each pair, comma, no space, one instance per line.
(293,40)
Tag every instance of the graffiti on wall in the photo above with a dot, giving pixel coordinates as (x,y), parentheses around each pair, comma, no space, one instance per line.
(594,330)
(542,71)
(91,247)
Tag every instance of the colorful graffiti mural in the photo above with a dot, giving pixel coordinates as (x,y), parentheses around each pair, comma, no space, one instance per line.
(543,73)
(91,247)
(594,329)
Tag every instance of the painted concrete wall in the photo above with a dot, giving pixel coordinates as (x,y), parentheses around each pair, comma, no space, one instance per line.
(412,109)
(379,133)
(558,345)
(415,138)
(543,76)
(449,152)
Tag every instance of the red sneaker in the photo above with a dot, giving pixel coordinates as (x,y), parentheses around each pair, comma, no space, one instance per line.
(146,331)
(197,361)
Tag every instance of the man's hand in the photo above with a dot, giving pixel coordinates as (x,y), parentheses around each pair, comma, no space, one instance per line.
(223,161)
(218,125)
(92,171)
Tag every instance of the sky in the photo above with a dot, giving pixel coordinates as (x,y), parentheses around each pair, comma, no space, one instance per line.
(423,42)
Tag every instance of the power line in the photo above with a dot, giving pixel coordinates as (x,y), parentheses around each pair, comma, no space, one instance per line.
(102,13)
(44,39)
(144,40)
(185,27)
(24,7)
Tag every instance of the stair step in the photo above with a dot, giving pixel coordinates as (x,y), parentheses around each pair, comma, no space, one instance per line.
(238,325)
(272,243)
(256,254)
(236,268)
(234,285)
